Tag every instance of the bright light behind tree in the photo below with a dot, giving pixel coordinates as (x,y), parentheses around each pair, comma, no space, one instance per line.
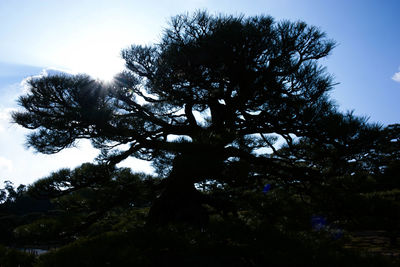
(94,57)
(93,51)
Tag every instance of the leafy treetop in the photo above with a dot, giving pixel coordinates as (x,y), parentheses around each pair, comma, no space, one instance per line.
(213,96)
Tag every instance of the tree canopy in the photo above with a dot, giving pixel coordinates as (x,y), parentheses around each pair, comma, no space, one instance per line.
(235,115)
(220,101)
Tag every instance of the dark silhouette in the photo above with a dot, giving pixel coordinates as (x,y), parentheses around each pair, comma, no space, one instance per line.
(255,164)
(225,83)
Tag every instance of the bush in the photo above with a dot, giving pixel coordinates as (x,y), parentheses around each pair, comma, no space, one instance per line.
(231,244)
(14,258)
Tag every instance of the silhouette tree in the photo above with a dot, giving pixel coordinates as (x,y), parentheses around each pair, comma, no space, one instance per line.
(380,198)
(87,200)
(17,208)
(210,105)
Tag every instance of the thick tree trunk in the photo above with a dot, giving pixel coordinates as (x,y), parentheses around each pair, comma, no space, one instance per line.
(180,202)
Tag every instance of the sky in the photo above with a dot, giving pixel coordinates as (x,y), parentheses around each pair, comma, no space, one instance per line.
(86,36)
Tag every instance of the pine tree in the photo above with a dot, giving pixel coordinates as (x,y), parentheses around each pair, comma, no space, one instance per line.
(210,105)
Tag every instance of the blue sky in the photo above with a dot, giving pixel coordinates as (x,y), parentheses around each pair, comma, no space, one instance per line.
(87,36)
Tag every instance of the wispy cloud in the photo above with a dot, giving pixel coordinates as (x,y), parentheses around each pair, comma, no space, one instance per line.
(396,77)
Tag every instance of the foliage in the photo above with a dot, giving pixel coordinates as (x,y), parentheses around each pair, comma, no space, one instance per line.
(224,85)
(225,244)
(234,114)
(82,205)
(18,208)
(12,257)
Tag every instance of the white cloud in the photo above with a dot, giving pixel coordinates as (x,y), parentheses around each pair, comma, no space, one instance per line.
(5,118)
(396,77)
(2,126)
(5,113)
(6,164)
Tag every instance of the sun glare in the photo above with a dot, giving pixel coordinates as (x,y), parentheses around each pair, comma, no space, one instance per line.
(94,56)
(102,68)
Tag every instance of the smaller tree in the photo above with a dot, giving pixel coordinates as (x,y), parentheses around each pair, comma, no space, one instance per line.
(88,200)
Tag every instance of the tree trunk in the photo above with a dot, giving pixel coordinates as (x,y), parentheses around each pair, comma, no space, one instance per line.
(180,202)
